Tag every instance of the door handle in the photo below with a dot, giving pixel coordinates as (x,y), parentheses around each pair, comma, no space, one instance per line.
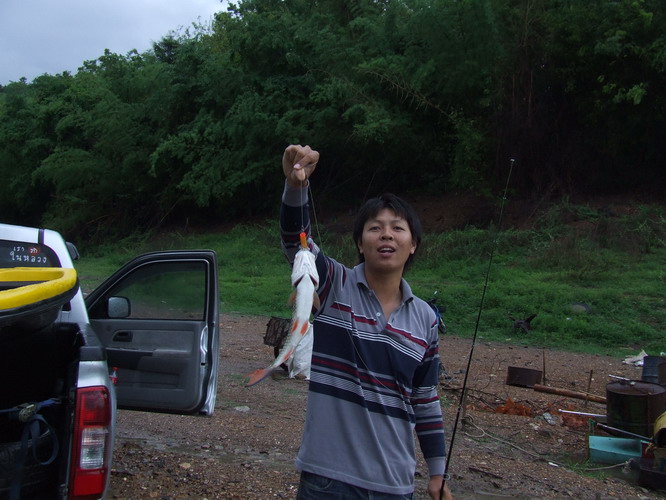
(122,337)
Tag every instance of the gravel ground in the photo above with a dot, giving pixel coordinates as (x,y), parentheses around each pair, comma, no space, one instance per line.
(246,449)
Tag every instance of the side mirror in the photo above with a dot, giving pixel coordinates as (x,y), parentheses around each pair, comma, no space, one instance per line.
(119,307)
(73,252)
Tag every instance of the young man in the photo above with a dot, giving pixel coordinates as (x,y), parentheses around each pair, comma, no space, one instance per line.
(375,358)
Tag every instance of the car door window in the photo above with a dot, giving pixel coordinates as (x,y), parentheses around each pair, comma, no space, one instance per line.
(163,290)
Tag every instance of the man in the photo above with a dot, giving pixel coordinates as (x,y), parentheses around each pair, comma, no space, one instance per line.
(375,360)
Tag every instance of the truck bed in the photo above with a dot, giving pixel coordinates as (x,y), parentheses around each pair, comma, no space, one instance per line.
(36,366)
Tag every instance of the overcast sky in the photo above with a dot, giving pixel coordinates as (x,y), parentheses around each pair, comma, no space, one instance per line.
(52,36)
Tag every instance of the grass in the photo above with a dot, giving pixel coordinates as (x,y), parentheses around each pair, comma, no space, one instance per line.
(615,266)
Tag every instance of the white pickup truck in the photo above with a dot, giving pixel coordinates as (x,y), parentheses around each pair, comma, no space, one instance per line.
(146,339)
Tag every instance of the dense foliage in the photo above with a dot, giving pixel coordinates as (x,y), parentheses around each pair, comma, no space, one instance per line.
(427,95)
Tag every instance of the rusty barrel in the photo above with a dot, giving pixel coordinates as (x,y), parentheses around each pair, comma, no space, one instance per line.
(634,405)
(523,377)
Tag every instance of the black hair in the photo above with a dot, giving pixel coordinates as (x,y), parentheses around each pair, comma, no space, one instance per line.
(400,207)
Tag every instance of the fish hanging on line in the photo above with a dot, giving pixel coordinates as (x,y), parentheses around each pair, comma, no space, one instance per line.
(305,280)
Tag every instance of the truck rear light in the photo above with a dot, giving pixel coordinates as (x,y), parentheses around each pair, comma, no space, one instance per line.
(92,422)
(93,443)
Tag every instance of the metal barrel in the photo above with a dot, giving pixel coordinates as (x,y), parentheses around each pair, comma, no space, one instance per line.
(654,370)
(634,406)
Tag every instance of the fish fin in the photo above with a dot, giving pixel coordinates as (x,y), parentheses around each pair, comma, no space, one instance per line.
(257,376)
(305,328)
(316,303)
(294,325)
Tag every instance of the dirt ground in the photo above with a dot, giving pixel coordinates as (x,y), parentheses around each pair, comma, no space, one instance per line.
(247,448)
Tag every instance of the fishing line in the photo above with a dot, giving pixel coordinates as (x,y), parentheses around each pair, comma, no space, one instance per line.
(314,212)
(303,195)
(463,393)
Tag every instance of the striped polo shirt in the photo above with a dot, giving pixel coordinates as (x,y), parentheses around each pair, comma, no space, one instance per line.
(373,379)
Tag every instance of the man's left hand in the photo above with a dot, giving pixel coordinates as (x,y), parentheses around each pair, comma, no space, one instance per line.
(435,489)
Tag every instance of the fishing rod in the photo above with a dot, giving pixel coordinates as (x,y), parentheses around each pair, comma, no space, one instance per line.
(463,392)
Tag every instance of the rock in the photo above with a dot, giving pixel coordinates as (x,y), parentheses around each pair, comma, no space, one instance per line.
(580,308)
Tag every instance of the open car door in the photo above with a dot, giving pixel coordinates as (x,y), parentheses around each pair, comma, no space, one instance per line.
(157,318)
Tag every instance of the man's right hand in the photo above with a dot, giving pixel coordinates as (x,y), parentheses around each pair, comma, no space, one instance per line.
(298,163)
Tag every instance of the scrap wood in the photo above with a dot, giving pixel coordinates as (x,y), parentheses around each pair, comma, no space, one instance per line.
(476,469)
(480,406)
(510,407)
(569,393)
(572,420)
(478,395)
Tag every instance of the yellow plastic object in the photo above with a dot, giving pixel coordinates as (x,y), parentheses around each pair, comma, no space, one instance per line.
(660,430)
(41,283)
(660,423)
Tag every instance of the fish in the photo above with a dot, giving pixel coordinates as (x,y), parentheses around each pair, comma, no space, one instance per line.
(304,280)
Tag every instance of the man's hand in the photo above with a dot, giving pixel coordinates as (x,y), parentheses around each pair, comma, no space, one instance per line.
(298,163)
(435,488)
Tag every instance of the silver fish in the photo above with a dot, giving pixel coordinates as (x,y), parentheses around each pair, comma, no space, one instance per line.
(305,280)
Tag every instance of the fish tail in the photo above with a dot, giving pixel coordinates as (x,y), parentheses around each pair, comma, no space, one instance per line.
(258,375)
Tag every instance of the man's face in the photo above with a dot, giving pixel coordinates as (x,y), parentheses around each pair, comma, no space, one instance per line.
(386,242)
